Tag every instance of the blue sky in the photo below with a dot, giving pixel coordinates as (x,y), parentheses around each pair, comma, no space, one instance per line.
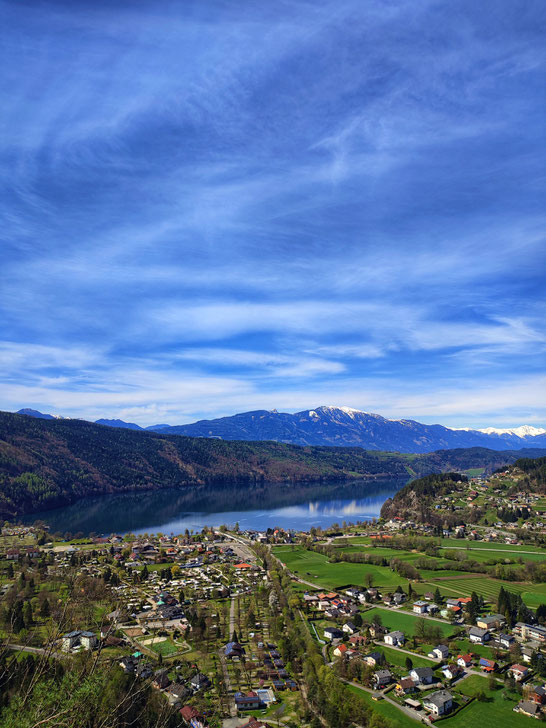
(211,207)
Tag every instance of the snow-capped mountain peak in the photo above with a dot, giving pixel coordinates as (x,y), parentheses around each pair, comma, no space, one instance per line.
(521,431)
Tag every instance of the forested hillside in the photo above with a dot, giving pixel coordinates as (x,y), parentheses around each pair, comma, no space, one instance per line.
(416,499)
(46,463)
(535,473)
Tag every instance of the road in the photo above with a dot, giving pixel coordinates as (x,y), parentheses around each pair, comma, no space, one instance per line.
(35,650)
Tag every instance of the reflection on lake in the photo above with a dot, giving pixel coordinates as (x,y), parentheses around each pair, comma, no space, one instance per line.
(173,510)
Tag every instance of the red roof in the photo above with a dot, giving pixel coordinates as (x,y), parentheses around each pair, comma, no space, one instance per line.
(188,712)
(243,565)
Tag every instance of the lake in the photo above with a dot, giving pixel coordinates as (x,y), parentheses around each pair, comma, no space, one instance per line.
(175,510)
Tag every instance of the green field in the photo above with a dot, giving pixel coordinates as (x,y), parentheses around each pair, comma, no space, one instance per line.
(472,685)
(316,569)
(532,594)
(395,717)
(490,545)
(403,621)
(494,713)
(395,657)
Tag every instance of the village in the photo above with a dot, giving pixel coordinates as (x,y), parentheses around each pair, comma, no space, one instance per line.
(409,616)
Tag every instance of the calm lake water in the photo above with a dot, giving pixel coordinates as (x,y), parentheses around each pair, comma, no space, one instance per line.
(174,510)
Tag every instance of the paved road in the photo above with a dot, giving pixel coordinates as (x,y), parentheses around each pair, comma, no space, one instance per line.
(35,650)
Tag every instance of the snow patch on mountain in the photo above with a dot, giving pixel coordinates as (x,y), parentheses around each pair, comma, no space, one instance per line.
(521,431)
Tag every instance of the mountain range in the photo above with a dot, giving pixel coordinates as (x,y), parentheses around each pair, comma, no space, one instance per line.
(343,427)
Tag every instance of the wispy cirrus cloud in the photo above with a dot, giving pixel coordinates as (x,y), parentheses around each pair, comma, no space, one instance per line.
(233,194)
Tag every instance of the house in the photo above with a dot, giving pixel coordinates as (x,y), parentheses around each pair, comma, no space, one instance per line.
(441,652)
(333,633)
(382,678)
(192,717)
(253,723)
(422,675)
(493,621)
(420,607)
(399,597)
(518,672)
(405,685)
(505,640)
(233,649)
(439,703)
(527,653)
(88,640)
(349,628)
(537,694)
(478,636)
(395,638)
(527,707)
(199,682)
(452,671)
(465,660)
(357,640)
(453,603)
(487,665)
(429,596)
(341,650)
(69,640)
(374,658)
(376,630)
(176,693)
(248,701)
(530,632)
(161,679)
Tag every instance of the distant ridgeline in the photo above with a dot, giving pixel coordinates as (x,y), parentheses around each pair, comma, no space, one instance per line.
(46,463)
